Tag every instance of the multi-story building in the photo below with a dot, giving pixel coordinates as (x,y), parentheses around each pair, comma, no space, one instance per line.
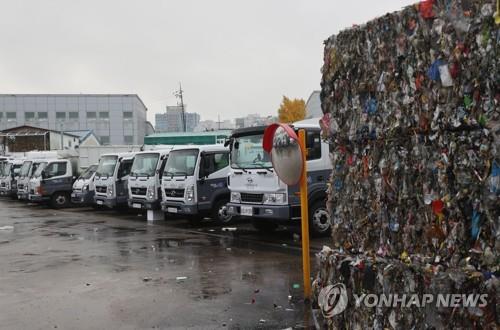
(161,122)
(118,119)
(173,122)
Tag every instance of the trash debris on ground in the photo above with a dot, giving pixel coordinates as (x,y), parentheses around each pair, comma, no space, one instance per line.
(7,228)
(296,286)
(229,228)
(147,279)
(181,278)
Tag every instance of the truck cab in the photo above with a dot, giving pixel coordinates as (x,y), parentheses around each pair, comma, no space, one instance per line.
(28,168)
(10,174)
(258,193)
(194,182)
(53,182)
(111,179)
(144,181)
(83,188)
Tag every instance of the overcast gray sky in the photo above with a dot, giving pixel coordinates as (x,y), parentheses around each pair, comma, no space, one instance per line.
(233,57)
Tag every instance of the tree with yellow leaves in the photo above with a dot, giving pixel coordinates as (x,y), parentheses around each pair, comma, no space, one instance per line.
(291,110)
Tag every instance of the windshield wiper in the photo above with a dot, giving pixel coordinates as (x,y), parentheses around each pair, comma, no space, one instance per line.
(238,168)
(264,167)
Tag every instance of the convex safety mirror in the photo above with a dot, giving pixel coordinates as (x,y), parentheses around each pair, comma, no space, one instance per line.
(282,143)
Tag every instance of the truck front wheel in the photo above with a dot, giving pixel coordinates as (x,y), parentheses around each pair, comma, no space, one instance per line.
(219,213)
(319,219)
(60,200)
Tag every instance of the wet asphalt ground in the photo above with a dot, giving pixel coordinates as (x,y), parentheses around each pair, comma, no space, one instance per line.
(82,268)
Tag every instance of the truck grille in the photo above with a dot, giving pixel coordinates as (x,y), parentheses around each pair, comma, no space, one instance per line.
(174,193)
(138,191)
(100,189)
(3,184)
(20,187)
(251,198)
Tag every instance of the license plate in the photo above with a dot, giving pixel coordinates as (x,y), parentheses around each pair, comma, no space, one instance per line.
(172,209)
(100,202)
(247,211)
(137,206)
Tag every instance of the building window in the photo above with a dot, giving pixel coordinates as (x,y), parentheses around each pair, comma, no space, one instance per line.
(128,139)
(103,115)
(91,115)
(29,116)
(11,116)
(73,115)
(42,116)
(104,139)
(60,115)
(128,115)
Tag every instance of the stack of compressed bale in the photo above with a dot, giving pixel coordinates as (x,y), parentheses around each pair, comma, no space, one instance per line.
(411,110)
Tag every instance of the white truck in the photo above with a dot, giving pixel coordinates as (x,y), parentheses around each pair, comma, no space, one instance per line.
(258,193)
(10,174)
(53,181)
(28,168)
(194,182)
(111,179)
(144,181)
(83,188)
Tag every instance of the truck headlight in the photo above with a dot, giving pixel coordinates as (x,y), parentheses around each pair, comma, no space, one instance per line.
(110,190)
(235,197)
(151,193)
(274,198)
(190,193)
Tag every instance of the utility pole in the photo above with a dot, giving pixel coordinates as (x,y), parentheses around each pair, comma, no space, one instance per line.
(179,94)
(218,122)
(62,138)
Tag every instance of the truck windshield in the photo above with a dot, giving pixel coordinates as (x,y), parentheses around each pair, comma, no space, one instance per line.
(181,162)
(88,172)
(7,169)
(247,153)
(35,167)
(25,169)
(107,166)
(145,164)
(40,169)
(16,168)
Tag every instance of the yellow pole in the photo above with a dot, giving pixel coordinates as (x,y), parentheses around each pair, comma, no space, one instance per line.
(304,212)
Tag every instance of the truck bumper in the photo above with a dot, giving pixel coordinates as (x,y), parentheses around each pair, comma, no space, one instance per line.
(21,195)
(38,198)
(137,203)
(179,208)
(82,198)
(8,192)
(281,213)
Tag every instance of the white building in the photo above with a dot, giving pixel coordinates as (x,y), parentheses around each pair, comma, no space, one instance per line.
(118,119)
(313,106)
(211,125)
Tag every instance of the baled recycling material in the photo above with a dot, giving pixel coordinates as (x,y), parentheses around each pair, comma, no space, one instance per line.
(411,112)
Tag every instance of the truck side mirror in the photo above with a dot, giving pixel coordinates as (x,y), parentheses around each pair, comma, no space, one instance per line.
(310,140)
(44,175)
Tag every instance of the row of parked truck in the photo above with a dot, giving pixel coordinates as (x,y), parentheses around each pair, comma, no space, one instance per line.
(194,181)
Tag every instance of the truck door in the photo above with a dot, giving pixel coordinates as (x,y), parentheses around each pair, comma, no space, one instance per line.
(56,179)
(122,177)
(212,181)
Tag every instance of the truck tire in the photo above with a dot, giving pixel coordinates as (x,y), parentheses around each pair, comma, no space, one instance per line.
(264,226)
(219,213)
(60,200)
(319,219)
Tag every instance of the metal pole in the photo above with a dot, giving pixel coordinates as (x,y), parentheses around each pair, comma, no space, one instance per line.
(182,107)
(61,136)
(304,215)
